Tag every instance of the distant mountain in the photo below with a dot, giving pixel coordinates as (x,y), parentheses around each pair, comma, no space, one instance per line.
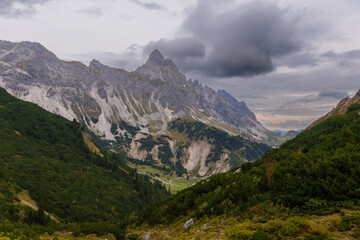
(121,107)
(45,164)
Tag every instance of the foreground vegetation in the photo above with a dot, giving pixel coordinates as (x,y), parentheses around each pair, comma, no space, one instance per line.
(263,221)
(49,177)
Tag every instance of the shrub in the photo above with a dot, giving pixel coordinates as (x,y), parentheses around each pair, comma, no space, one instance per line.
(260,235)
(273,226)
(311,236)
(239,231)
(292,227)
(239,234)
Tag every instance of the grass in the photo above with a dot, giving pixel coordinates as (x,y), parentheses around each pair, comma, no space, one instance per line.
(280,225)
(176,183)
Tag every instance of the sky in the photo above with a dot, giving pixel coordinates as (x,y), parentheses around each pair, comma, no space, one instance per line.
(290,61)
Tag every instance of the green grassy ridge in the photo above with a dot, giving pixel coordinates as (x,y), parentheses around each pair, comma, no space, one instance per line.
(46,155)
(317,169)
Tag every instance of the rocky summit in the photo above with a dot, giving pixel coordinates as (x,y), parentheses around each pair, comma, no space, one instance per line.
(122,107)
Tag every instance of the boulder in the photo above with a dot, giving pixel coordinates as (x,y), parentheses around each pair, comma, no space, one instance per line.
(147,236)
(188,224)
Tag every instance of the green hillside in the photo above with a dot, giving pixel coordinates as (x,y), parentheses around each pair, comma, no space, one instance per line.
(45,155)
(317,171)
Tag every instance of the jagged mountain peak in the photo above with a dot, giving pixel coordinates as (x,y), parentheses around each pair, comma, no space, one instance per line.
(157,59)
(156,56)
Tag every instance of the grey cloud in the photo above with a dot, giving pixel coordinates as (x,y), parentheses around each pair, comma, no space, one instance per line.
(9,8)
(129,60)
(240,41)
(344,59)
(177,48)
(290,124)
(353,54)
(184,51)
(91,11)
(298,60)
(149,5)
(333,94)
(291,110)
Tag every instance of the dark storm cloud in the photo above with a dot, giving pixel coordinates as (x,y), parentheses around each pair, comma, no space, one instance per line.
(9,8)
(240,41)
(149,5)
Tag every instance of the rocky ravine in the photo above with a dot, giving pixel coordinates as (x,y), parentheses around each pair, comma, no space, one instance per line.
(115,104)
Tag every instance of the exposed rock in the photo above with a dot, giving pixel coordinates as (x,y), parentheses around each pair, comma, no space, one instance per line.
(147,236)
(188,224)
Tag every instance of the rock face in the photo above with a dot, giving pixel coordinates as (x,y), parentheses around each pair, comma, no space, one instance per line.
(188,224)
(115,104)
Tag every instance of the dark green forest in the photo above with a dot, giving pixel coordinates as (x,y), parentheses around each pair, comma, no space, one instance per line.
(45,154)
(317,169)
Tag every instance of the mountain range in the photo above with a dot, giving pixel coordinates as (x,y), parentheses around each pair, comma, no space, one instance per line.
(123,109)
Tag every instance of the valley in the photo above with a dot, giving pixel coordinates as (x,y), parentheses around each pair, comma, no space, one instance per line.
(111,167)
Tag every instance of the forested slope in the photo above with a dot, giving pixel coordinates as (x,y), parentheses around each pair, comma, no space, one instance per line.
(45,154)
(317,169)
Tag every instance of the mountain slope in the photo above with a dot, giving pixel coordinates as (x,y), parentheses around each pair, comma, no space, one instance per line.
(117,105)
(45,155)
(317,170)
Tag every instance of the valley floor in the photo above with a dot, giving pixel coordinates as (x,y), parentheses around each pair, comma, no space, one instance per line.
(171,180)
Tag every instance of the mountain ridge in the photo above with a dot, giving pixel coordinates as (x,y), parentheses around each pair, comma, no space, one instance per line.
(105,99)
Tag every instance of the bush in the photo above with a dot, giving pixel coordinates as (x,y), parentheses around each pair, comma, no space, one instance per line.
(239,234)
(273,226)
(260,235)
(133,236)
(292,227)
(311,236)
(357,233)
(239,231)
